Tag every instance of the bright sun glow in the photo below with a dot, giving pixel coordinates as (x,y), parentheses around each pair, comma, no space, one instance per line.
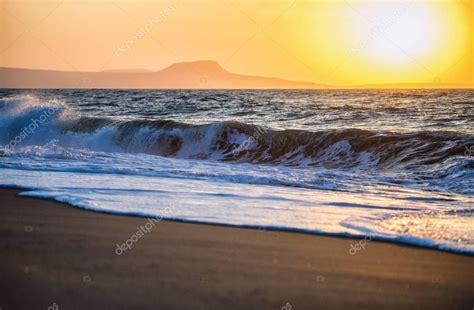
(417,39)
(408,30)
(394,42)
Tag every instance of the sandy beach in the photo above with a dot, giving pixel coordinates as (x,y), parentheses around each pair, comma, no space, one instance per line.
(53,255)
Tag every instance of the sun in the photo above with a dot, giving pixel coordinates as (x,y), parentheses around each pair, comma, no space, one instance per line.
(408,31)
(403,41)
(412,36)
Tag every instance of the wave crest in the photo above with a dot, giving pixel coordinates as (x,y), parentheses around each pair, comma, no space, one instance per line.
(234,141)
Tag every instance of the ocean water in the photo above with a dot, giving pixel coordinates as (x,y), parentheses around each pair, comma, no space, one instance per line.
(388,165)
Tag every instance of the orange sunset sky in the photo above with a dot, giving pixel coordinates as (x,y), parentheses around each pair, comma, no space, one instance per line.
(337,43)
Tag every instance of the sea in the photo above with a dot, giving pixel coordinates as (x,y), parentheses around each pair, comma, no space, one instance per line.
(389,165)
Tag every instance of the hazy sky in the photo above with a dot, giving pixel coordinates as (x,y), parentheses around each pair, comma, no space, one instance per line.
(329,42)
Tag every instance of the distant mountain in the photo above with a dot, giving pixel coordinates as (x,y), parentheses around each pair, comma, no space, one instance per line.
(199,74)
(128,70)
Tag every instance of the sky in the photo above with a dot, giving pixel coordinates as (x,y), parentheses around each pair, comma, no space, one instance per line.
(340,42)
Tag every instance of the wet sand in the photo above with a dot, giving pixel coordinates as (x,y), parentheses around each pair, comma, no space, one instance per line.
(56,255)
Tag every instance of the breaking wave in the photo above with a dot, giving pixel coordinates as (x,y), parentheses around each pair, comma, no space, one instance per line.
(228,140)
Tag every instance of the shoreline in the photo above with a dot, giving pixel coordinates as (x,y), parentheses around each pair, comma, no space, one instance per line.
(370,236)
(56,253)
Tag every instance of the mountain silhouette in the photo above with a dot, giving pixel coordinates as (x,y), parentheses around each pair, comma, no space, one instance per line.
(193,75)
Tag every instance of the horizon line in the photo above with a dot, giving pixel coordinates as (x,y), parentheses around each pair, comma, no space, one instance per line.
(381,86)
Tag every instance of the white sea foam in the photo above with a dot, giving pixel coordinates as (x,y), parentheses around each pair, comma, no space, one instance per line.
(216,193)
